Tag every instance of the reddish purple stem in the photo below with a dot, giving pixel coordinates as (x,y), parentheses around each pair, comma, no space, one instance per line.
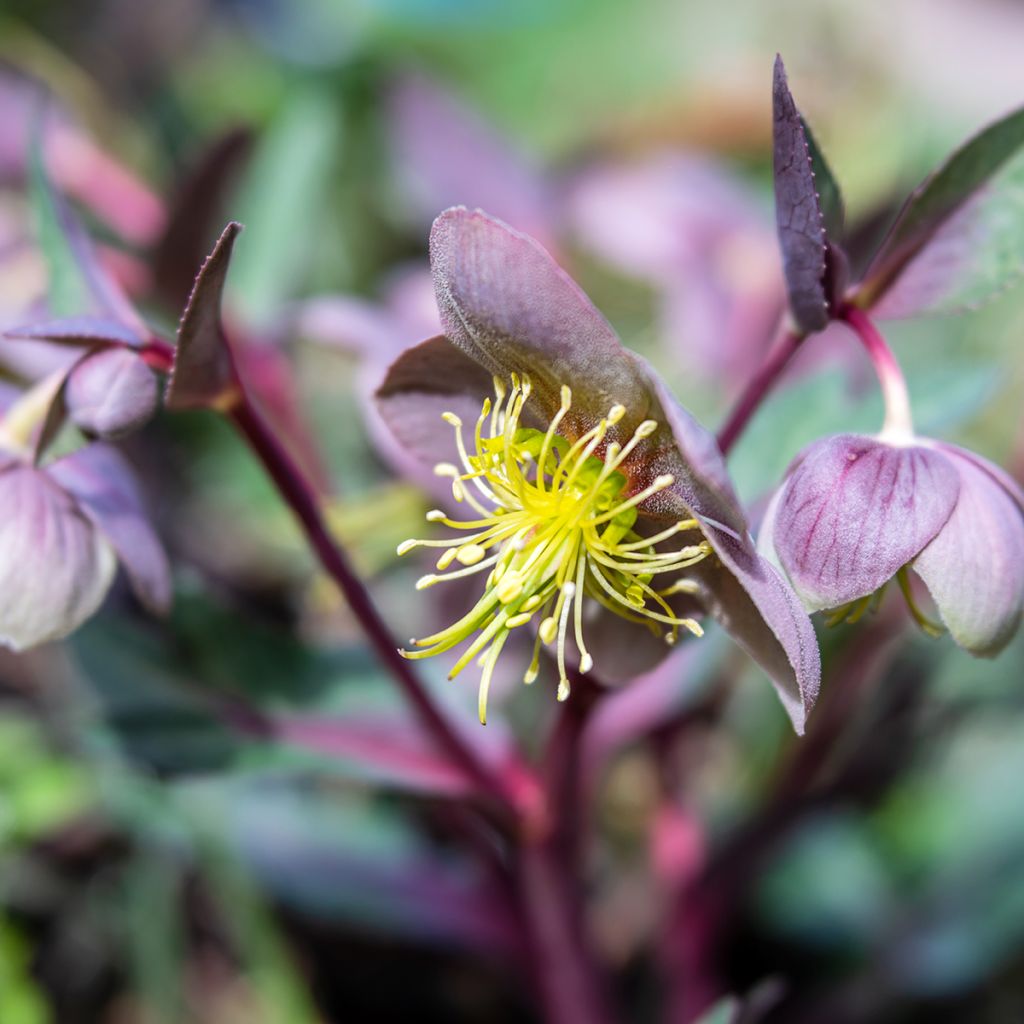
(784,348)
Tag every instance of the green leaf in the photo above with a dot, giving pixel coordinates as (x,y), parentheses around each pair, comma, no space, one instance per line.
(938,200)
(69,291)
(282,202)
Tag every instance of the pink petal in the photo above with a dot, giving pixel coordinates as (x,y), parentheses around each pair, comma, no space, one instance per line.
(974,568)
(55,566)
(855,511)
(103,485)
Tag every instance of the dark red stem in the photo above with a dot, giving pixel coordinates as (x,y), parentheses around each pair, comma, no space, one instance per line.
(299,495)
(779,355)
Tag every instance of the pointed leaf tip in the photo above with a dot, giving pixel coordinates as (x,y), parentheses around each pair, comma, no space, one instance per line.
(798,214)
(204,371)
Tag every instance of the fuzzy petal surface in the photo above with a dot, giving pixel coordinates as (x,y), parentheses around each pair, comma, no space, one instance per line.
(974,568)
(855,511)
(508,305)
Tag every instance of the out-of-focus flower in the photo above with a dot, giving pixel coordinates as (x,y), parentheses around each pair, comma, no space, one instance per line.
(855,512)
(689,228)
(63,529)
(603,513)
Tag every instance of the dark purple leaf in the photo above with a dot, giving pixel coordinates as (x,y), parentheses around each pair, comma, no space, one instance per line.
(798,213)
(81,331)
(195,208)
(204,371)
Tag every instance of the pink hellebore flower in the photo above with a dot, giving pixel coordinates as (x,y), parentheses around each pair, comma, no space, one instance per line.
(63,529)
(602,515)
(854,512)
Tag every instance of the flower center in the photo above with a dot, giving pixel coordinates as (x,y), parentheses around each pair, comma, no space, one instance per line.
(555,525)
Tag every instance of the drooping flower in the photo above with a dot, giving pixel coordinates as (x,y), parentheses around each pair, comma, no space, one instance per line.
(63,529)
(855,512)
(602,514)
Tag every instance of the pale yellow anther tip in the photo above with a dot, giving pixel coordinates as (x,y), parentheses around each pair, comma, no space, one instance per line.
(530,675)
(586,663)
(446,559)
(469,554)
(665,480)
(569,588)
(563,690)
(445,469)
(425,581)
(647,428)
(566,397)
(450,417)
(548,630)
(616,412)
(405,547)
(435,515)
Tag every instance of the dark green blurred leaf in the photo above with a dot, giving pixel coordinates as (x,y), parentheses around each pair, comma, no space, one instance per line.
(938,214)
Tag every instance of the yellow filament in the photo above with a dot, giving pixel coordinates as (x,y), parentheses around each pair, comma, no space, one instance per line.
(554,526)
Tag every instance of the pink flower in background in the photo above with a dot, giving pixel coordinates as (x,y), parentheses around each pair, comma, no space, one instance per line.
(692,230)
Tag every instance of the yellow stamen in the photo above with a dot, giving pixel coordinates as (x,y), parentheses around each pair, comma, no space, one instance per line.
(555,525)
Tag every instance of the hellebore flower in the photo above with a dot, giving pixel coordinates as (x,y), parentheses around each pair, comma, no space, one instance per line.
(602,513)
(855,512)
(63,529)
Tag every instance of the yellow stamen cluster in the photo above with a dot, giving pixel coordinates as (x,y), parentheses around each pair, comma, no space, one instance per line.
(555,525)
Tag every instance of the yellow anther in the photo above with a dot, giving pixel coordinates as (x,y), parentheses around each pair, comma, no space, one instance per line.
(548,630)
(554,526)
(470,554)
(510,587)
(406,546)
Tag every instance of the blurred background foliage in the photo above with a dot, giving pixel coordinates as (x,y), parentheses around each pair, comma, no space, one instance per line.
(162,859)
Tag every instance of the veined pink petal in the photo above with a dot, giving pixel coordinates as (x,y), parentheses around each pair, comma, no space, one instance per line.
(55,566)
(102,484)
(974,568)
(855,511)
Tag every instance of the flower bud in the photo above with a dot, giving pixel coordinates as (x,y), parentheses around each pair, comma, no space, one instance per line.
(854,512)
(111,393)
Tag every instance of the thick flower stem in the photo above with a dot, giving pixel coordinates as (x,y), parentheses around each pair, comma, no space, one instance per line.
(783,349)
(299,495)
(569,987)
(898,421)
